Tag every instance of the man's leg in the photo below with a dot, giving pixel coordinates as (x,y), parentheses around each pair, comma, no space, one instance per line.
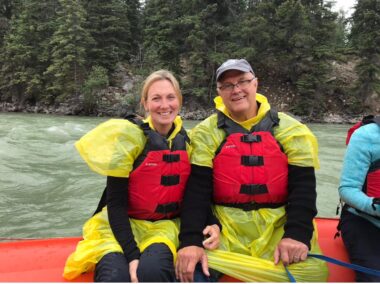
(199,276)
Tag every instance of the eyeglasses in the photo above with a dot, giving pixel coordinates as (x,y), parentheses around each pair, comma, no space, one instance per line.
(229,87)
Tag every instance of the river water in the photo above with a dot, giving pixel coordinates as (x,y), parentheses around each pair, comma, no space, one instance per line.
(46,190)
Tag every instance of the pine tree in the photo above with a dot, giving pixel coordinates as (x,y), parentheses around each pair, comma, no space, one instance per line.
(25,51)
(293,39)
(6,11)
(255,35)
(68,51)
(306,33)
(163,38)
(134,16)
(365,38)
(340,40)
(207,44)
(109,26)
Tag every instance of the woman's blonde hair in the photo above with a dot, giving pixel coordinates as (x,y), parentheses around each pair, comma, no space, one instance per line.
(157,76)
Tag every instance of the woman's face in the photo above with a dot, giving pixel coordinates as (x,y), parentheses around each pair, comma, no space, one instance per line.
(163,105)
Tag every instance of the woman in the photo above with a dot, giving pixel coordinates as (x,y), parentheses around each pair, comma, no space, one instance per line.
(359,189)
(134,238)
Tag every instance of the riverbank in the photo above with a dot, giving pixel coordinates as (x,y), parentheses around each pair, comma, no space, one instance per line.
(190,112)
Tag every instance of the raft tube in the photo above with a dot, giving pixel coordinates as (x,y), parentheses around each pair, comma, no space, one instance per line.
(42,260)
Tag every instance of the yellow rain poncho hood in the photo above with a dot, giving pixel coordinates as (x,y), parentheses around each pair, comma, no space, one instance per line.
(111,148)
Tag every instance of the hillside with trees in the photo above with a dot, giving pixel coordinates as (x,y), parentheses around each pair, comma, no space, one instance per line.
(89,57)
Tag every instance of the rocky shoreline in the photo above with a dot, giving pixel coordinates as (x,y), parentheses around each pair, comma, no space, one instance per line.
(187,112)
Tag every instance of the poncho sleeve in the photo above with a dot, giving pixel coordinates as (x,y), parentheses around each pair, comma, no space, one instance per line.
(111,148)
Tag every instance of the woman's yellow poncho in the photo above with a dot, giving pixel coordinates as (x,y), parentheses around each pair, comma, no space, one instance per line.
(110,149)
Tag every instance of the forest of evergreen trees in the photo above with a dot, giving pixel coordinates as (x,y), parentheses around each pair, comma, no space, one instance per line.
(53,50)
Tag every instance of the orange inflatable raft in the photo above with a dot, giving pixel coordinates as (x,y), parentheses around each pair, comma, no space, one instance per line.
(43,260)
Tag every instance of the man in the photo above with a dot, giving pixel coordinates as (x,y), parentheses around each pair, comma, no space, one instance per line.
(257,167)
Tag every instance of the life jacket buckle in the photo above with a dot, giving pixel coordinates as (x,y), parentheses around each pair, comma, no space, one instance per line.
(253,189)
(170,158)
(249,206)
(250,138)
(170,180)
(167,208)
(251,160)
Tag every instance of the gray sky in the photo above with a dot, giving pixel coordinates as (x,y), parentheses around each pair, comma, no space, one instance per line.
(345,4)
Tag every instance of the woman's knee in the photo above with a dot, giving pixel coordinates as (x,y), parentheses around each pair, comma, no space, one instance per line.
(156,264)
(113,267)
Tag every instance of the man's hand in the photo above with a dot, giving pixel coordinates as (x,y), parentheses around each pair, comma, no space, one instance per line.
(187,259)
(212,242)
(133,270)
(290,251)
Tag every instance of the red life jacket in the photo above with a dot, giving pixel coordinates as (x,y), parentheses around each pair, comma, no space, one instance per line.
(371,186)
(250,169)
(157,183)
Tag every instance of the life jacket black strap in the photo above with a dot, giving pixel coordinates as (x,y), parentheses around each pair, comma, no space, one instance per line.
(156,142)
(346,206)
(228,125)
(375,201)
(134,118)
(252,160)
(374,166)
(167,208)
(171,158)
(179,142)
(371,119)
(269,121)
(170,180)
(253,189)
(376,119)
(250,138)
(249,206)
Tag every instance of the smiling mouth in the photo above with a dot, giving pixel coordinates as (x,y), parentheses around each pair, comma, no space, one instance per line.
(167,113)
(238,98)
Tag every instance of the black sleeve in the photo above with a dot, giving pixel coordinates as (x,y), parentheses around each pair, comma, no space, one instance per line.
(118,217)
(211,220)
(196,206)
(301,208)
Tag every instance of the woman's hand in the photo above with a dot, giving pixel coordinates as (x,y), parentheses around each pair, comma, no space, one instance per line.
(133,270)
(213,241)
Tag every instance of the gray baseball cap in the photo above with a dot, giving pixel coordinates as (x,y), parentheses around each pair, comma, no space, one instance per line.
(233,64)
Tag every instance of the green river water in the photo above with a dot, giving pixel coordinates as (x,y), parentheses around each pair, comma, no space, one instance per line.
(46,190)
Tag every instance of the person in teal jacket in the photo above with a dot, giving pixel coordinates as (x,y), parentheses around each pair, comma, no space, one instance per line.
(359,189)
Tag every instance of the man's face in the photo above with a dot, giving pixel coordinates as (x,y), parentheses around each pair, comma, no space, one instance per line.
(238,92)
